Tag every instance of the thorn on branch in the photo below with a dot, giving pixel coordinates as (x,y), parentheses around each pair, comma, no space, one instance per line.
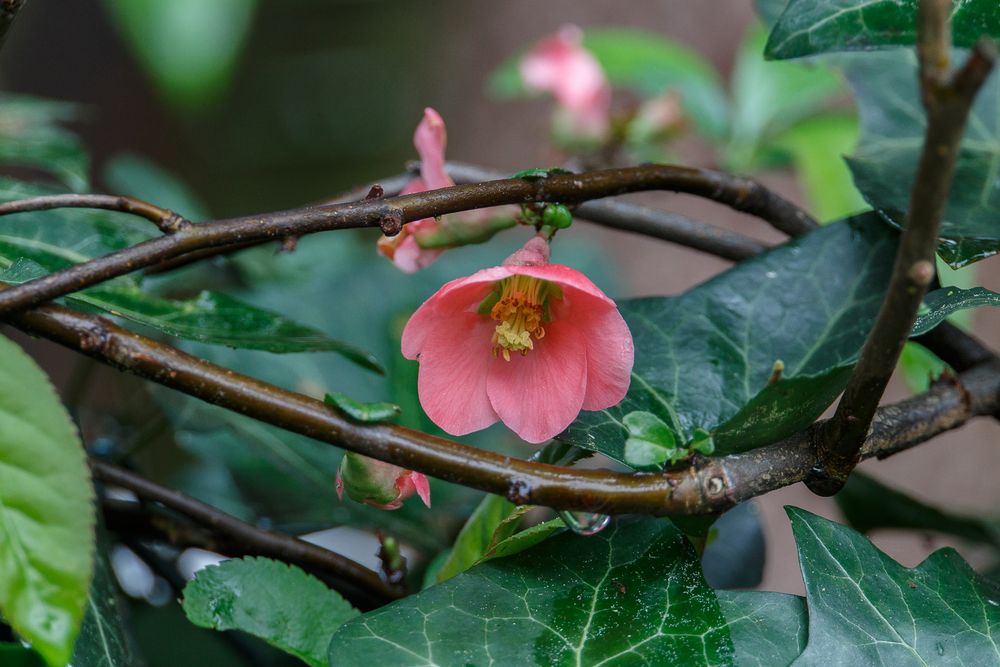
(376,192)
(288,244)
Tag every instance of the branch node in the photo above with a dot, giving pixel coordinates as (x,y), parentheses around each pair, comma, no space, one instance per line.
(391,222)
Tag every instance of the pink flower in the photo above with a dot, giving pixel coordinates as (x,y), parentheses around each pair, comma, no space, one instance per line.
(528,343)
(430,140)
(381,485)
(561,66)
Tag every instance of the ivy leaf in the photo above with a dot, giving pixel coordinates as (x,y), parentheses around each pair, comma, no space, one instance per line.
(633,593)
(865,608)
(30,135)
(868,504)
(46,511)
(768,629)
(807,27)
(279,603)
(362,412)
(704,359)
(647,64)
(893,124)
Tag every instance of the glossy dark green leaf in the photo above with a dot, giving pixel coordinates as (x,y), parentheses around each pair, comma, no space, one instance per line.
(868,504)
(30,135)
(768,629)
(631,594)
(46,511)
(647,64)
(102,641)
(941,303)
(362,412)
(892,135)
(769,98)
(279,603)
(808,27)
(703,359)
(865,608)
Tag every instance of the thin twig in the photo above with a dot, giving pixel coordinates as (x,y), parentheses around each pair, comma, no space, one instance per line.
(165,220)
(254,540)
(948,102)
(708,486)
(739,193)
(671,227)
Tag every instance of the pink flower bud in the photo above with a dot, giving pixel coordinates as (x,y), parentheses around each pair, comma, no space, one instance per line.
(379,484)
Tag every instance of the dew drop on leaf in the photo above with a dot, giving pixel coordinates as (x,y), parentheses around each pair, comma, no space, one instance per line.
(585,523)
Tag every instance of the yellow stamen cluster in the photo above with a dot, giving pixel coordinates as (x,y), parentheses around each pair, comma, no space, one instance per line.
(519,310)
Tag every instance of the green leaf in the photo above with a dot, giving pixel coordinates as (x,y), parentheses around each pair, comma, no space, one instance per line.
(189,48)
(30,135)
(768,629)
(647,64)
(868,504)
(478,534)
(62,237)
(941,303)
(865,608)
(525,539)
(631,594)
(279,603)
(15,655)
(362,412)
(893,124)
(650,442)
(808,27)
(703,359)
(207,318)
(102,641)
(46,511)
(769,98)
(816,146)
(135,176)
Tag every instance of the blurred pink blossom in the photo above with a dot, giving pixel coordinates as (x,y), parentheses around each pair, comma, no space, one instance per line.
(561,66)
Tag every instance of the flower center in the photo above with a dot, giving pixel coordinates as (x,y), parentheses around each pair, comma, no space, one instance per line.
(518,304)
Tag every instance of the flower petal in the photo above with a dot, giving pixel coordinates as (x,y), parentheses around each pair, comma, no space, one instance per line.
(563,276)
(454,358)
(430,140)
(610,356)
(409,257)
(423,487)
(539,394)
